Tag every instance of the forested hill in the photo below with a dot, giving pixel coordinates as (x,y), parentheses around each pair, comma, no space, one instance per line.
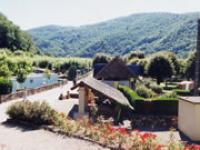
(148,32)
(12,37)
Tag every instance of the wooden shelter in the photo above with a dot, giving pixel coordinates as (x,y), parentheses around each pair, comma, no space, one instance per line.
(91,85)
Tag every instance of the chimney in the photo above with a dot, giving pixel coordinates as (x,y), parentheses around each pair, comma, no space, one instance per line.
(197,63)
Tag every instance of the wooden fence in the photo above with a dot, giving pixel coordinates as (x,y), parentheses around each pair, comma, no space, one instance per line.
(21,94)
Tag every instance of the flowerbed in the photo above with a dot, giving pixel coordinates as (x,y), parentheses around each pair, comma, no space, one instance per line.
(102,132)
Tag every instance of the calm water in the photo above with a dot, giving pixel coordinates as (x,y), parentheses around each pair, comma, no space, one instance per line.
(35,80)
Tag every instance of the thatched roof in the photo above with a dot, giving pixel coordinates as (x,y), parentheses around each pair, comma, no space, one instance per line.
(116,70)
(104,89)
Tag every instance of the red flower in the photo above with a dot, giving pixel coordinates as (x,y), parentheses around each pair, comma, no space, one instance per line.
(146,136)
(192,147)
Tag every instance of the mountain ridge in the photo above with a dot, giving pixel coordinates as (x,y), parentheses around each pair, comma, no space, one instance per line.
(148,32)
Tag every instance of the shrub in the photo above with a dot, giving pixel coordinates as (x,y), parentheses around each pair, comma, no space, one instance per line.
(145,92)
(101,58)
(156,88)
(72,73)
(168,96)
(34,112)
(45,64)
(131,95)
(5,86)
(170,87)
(182,92)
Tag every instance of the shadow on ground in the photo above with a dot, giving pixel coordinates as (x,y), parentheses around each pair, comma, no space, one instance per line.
(24,127)
(73,112)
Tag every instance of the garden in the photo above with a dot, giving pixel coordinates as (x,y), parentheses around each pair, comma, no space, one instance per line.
(101,132)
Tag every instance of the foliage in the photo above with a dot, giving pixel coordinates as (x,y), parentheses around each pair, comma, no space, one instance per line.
(72,73)
(12,37)
(47,73)
(172,95)
(4,68)
(183,92)
(101,58)
(149,32)
(190,67)
(156,88)
(35,112)
(5,86)
(140,62)
(144,92)
(102,132)
(131,95)
(22,70)
(45,64)
(172,57)
(136,54)
(160,68)
(170,87)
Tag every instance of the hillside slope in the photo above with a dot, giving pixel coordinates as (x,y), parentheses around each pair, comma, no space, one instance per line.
(148,32)
(12,37)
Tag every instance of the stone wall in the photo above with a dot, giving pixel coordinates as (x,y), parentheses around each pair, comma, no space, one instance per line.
(21,94)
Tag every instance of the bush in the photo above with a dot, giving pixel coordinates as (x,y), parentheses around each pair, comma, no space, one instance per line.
(183,92)
(131,95)
(45,64)
(168,96)
(72,73)
(145,92)
(170,87)
(34,112)
(5,86)
(156,88)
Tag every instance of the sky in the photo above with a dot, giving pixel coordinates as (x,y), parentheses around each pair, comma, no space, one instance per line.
(34,13)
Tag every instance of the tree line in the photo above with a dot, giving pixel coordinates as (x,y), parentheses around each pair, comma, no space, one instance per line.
(160,66)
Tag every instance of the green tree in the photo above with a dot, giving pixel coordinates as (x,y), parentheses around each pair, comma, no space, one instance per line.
(22,70)
(47,74)
(72,73)
(12,37)
(4,68)
(190,66)
(136,54)
(160,68)
(101,58)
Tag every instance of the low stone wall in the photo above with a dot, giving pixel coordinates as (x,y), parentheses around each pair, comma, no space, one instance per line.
(21,94)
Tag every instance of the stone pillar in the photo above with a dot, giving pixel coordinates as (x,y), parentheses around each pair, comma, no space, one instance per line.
(82,101)
(197,63)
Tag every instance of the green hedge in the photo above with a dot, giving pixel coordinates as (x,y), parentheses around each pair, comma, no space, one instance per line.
(170,87)
(157,107)
(183,92)
(5,86)
(161,105)
(131,95)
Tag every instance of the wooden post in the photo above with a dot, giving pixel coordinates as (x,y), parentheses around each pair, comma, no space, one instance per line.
(197,67)
(82,101)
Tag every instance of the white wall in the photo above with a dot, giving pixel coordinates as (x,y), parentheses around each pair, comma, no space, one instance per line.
(189,119)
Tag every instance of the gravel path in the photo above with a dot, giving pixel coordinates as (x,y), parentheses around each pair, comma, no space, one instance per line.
(13,138)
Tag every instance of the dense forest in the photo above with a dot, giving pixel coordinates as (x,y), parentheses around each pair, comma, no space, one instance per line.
(150,32)
(12,37)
